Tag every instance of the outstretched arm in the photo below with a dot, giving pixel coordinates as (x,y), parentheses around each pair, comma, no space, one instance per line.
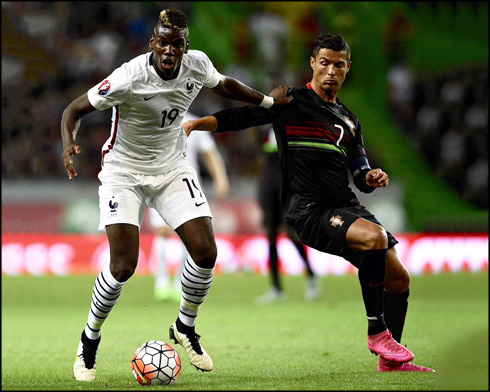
(208,123)
(70,122)
(235,119)
(234,89)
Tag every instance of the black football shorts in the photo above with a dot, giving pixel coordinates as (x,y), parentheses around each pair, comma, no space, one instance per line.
(325,229)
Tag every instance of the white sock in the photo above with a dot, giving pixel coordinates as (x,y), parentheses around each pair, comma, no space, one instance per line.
(195,282)
(105,294)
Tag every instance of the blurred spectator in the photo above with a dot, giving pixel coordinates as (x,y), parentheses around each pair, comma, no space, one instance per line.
(450,127)
(476,185)
(453,92)
(241,68)
(476,117)
(401,93)
(398,33)
(271,33)
(428,124)
(452,152)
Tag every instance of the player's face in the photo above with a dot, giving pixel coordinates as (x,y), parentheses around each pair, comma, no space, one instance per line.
(329,70)
(169,46)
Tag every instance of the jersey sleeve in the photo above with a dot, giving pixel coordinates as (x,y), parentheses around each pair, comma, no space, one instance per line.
(359,164)
(235,119)
(212,76)
(112,91)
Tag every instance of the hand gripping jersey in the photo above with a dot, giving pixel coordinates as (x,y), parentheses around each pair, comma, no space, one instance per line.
(147,112)
(318,143)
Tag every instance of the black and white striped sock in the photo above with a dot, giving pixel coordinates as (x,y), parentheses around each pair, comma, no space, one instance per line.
(105,294)
(195,282)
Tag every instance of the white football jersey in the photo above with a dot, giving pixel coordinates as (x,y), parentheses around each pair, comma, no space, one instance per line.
(147,112)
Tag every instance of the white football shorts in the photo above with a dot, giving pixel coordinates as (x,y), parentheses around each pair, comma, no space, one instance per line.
(176,195)
(156,220)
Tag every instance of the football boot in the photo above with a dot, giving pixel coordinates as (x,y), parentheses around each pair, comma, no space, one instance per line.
(84,368)
(198,357)
(388,348)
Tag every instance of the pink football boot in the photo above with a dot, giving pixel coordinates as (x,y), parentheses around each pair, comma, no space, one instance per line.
(386,366)
(388,348)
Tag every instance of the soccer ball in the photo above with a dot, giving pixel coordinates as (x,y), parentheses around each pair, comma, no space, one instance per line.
(156,363)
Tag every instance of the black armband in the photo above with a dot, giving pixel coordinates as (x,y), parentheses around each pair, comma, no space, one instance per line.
(359,167)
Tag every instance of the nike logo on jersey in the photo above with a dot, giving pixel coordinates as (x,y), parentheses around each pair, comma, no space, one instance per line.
(147,99)
(200,204)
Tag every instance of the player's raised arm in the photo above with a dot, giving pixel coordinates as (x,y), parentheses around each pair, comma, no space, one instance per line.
(70,122)
(234,89)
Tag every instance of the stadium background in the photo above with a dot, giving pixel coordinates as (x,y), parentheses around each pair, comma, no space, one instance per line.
(405,56)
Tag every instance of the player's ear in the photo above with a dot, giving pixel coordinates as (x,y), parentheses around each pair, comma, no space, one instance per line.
(152,40)
(187,44)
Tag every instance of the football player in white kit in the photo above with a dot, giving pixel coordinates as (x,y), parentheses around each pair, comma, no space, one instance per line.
(143,163)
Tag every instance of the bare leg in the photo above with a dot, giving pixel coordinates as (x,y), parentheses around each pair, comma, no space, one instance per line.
(124,243)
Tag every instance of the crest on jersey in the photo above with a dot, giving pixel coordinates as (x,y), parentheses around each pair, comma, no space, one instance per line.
(351,125)
(104,87)
(189,86)
(336,221)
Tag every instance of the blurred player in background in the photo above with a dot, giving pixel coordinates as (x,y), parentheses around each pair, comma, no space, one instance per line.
(270,202)
(143,163)
(319,140)
(168,287)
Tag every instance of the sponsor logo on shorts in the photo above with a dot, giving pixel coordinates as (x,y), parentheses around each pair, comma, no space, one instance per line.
(200,204)
(336,221)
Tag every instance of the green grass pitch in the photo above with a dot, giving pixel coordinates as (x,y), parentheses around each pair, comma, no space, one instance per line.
(295,345)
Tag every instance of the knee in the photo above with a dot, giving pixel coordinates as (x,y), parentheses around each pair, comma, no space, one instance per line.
(398,283)
(122,268)
(377,238)
(205,254)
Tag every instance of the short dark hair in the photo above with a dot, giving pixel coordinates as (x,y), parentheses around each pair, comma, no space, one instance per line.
(171,19)
(331,41)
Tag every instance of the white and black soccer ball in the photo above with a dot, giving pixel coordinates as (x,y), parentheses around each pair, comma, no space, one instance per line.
(156,363)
